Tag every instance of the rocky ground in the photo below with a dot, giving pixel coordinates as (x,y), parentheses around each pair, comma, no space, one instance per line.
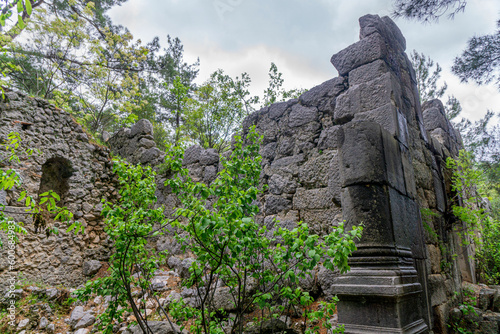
(46,309)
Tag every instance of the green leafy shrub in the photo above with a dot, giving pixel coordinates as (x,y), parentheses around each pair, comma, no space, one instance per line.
(259,270)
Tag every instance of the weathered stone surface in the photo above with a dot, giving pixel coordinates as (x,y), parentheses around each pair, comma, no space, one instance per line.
(269,327)
(192,155)
(486,298)
(275,204)
(280,184)
(277,110)
(329,138)
(142,127)
(371,24)
(301,115)
(368,72)
(158,327)
(362,154)
(363,52)
(209,157)
(313,97)
(91,267)
(326,280)
(312,199)
(437,288)
(86,321)
(23,324)
(77,314)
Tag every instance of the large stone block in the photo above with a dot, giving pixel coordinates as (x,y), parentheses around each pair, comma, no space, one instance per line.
(369,205)
(315,172)
(368,72)
(407,224)
(275,204)
(301,115)
(363,52)
(314,96)
(385,115)
(386,27)
(142,127)
(380,94)
(362,154)
(312,199)
(435,118)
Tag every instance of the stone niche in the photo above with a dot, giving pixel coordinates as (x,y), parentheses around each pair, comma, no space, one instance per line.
(55,176)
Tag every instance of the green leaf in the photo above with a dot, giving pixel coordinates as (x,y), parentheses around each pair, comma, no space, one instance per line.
(20,22)
(20,7)
(28,7)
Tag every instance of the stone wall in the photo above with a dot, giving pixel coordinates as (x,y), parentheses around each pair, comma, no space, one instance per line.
(68,162)
(358,147)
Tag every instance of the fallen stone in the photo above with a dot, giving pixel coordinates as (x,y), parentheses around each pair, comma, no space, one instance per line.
(91,267)
(157,327)
(23,323)
(77,313)
(86,321)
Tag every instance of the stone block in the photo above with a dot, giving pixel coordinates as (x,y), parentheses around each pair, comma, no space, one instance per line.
(486,298)
(362,154)
(279,184)
(386,27)
(268,151)
(407,224)
(363,52)
(369,204)
(435,258)
(380,91)
(209,156)
(329,138)
(314,96)
(312,198)
(334,180)
(347,105)
(437,289)
(314,173)
(286,161)
(368,72)
(439,190)
(192,155)
(385,116)
(300,115)
(435,118)
(393,162)
(158,327)
(275,204)
(408,171)
(402,132)
(91,267)
(276,110)
(142,127)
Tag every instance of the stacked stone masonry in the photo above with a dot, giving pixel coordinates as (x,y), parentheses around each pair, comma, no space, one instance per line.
(358,147)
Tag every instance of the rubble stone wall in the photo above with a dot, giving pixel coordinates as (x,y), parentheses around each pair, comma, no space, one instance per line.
(63,156)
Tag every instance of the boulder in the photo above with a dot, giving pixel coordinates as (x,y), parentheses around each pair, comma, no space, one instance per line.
(91,267)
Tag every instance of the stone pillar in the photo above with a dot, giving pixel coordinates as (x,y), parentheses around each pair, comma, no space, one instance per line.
(382,292)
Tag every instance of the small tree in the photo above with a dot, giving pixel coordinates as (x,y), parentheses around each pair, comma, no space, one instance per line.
(236,258)
(231,248)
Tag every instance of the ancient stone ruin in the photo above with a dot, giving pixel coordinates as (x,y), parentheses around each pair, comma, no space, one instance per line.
(358,147)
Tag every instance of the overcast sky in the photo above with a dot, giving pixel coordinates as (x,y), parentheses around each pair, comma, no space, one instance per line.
(301,36)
